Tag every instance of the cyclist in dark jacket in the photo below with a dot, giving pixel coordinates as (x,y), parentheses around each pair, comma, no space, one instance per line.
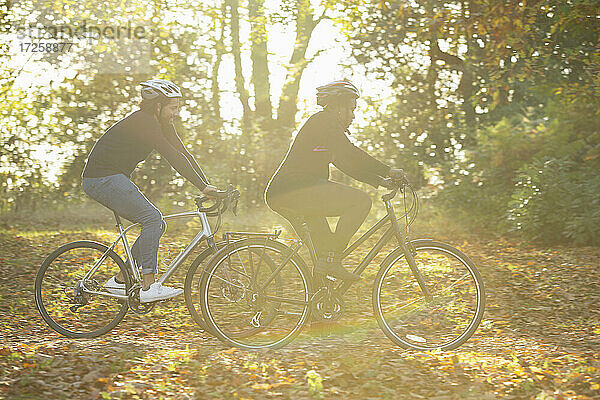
(301,187)
(114,157)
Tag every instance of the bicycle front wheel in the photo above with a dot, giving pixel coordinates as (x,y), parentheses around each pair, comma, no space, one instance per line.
(72,304)
(255,294)
(443,320)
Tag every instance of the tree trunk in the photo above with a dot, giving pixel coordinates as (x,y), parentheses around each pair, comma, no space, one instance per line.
(260,66)
(237,58)
(220,50)
(305,24)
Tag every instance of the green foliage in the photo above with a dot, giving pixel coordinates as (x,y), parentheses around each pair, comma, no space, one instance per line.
(482,89)
(481,193)
(534,176)
(468,203)
(505,147)
(315,384)
(557,199)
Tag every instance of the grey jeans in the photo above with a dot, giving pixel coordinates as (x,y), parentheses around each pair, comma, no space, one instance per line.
(121,195)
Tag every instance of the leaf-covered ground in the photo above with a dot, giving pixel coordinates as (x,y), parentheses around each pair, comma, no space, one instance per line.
(540,339)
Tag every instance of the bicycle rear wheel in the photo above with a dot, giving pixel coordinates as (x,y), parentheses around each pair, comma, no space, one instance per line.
(255,294)
(444,320)
(63,297)
(191,288)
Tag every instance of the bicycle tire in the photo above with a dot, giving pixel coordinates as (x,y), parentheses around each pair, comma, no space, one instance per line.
(188,286)
(57,312)
(446,320)
(247,302)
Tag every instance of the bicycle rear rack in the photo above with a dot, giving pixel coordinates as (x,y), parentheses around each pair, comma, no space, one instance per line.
(233,236)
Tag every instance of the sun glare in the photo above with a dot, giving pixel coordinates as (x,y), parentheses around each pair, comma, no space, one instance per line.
(328,50)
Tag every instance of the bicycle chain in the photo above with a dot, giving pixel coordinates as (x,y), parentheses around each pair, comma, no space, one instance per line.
(133,301)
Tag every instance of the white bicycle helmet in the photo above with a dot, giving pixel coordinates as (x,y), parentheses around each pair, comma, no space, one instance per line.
(155,87)
(334,90)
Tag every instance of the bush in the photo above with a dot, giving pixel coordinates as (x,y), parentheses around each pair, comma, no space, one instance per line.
(481,194)
(557,200)
(484,207)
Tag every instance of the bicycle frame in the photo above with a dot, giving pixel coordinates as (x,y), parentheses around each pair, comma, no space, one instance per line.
(205,233)
(393,230)
(401,237)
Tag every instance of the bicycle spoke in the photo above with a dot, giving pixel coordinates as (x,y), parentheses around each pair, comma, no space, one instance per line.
(228,281)
(259,310)
(74,307)
(466,275)
(442,319)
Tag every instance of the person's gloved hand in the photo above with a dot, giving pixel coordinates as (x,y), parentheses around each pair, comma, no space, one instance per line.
(397,174)
(210,191)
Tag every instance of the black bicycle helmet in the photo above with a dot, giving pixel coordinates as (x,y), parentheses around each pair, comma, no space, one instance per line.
(335,90)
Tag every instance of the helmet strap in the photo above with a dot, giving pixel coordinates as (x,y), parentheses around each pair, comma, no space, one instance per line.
(159,108)
(337,114)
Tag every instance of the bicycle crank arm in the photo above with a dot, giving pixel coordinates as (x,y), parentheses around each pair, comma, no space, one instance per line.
(76,307)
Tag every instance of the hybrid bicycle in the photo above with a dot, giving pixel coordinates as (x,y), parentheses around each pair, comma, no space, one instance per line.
(426,295)
(69,291)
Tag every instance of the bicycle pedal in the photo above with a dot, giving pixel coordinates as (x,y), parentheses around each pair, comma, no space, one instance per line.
(324,275)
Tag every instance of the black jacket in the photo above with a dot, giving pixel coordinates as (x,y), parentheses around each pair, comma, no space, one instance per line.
(322,141)
(129,142)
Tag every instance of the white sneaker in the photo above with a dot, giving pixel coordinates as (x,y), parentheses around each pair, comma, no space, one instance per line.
(114,287)
(156,292)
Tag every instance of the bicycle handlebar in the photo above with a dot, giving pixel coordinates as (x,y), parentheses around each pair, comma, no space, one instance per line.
(223,199)
(393,184)
(403,186)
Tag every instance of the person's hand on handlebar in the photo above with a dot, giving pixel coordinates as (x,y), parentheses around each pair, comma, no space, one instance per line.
(397,174)
(396,179)
(226,199)
(210,191)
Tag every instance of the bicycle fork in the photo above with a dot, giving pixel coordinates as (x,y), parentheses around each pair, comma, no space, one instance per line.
(409,251)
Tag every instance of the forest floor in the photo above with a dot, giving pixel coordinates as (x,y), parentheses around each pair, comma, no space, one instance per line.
(539,339)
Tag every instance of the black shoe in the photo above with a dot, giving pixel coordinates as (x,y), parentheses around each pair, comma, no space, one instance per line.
(331,265)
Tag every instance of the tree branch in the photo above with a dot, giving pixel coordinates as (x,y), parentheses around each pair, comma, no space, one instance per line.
(449,59)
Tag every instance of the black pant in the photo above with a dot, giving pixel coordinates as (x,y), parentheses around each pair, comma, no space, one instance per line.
(314,203)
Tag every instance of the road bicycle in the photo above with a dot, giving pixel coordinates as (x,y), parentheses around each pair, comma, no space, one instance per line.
(69,286)
(257,292)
